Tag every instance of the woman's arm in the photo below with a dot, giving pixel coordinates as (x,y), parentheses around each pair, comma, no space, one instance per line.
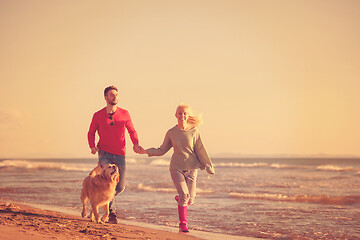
(164,148)
(202,156)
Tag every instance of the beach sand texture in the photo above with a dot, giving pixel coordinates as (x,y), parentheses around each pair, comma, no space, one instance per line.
(19,221)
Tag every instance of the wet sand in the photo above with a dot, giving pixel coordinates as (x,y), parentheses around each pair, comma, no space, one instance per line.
(18,221)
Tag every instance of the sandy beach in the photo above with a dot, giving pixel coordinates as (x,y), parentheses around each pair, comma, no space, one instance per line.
(18,221)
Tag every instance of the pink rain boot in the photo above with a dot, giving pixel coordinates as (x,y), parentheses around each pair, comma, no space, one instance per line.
(183,219)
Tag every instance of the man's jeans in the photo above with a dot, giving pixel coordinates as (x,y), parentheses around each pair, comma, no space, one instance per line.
(106,158)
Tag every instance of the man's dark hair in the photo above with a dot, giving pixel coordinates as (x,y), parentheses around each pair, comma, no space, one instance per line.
(108,89)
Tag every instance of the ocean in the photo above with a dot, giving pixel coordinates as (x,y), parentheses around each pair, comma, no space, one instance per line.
(273,198)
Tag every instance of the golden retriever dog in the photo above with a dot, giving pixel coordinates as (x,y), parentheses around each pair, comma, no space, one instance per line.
(99,188)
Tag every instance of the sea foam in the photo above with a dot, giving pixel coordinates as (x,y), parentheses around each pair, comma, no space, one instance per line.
(334,168)
(321,199)
(39,165)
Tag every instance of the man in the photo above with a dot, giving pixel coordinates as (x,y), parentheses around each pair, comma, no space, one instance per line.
(110,123)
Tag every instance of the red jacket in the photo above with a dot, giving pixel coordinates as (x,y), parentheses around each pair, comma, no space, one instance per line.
(112,138)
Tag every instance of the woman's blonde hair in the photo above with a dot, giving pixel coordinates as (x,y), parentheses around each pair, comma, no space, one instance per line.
(194,120)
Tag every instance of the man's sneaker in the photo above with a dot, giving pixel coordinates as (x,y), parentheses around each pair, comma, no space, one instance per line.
(112,218)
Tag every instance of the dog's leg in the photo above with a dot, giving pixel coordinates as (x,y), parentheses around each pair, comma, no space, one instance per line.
(91,216)
(106,214)
(95,212)
(84,200)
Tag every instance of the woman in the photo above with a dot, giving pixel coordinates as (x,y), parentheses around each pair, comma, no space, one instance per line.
(189,155)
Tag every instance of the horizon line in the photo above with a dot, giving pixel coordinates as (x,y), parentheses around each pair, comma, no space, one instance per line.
(227,155)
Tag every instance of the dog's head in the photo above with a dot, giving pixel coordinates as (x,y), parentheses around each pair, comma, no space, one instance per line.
(111,172)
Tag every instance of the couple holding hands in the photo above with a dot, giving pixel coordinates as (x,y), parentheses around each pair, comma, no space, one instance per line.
(189,153)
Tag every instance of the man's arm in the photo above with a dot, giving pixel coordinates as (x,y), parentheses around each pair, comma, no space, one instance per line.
(132,132)
(91,135)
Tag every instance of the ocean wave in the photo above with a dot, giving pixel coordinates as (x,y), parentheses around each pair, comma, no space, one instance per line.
(334,168)
(24,164)
(244,165)
(136,161)
(131,160)
(276,165)
(286,166)
(147,188)
(155,162)
(143,187)
(321,199)
(280,166)
(160,162)
(259,165)
(273,185)
(203,191)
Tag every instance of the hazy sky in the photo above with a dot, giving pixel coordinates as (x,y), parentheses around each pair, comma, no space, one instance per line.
(270,77)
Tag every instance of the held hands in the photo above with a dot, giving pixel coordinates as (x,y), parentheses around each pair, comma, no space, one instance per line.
(138,149)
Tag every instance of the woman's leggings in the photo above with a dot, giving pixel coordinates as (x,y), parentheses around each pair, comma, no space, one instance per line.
(185,183)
